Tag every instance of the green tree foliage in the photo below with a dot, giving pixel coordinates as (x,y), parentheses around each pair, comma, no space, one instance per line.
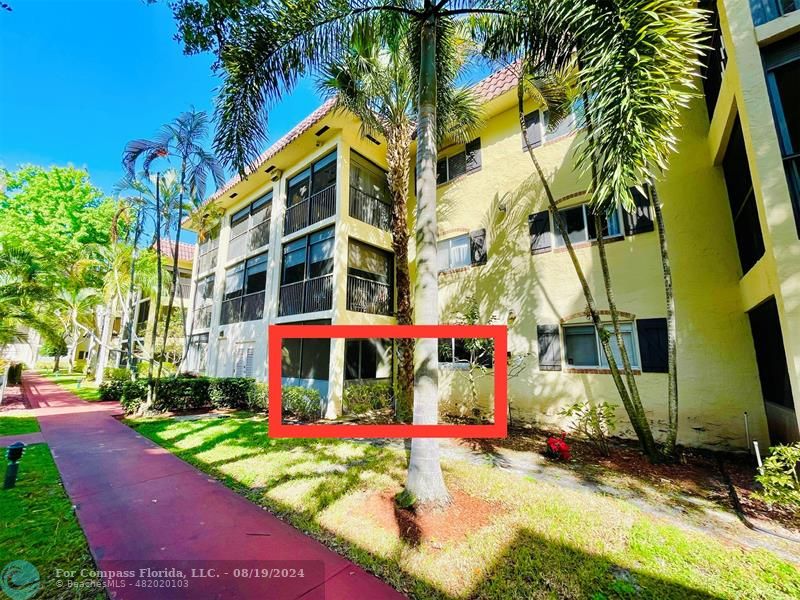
(53,214)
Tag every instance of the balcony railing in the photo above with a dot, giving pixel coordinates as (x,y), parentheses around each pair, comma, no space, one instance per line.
(249,307)
(316,208)
(307,296)
(767,10)
(370,209)
(365,295)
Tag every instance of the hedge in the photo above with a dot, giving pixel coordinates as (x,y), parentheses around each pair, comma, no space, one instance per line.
(179,394)
(302,403)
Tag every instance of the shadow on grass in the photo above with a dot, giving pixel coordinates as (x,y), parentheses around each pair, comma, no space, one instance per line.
(533,566)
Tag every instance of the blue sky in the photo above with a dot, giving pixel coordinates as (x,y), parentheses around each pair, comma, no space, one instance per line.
(80,78)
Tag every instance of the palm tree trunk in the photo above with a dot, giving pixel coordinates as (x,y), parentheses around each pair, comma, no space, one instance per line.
(171,302)
(132,286)
(425,481)
(587,292)
(102,355)
(638,416)
(152,385)
(397,158)
(672,336)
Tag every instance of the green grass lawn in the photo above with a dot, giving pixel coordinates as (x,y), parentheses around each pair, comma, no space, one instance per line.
(18,425)
(38,525)
(87,390)
(539,540)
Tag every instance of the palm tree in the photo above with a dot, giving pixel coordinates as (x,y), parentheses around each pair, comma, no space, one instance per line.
(264,48)
(77,306)
(373,81)
(181,140)
(636,62)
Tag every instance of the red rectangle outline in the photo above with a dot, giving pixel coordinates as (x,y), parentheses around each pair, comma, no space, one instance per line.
(498,429)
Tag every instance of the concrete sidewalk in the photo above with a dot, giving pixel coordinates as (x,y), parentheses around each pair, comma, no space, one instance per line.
(139,504)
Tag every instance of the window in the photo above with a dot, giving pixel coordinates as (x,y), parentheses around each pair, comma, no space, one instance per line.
(207,252)
(582,346)
(746,224)
(454,253)
(250,227)
(370,279)
(368,359)
(538,128)
(305,273)
(305,358)
(142,317)
(461,163)
(203,300)
(455,351)
(369,195)
(579,222)
(245,283)
(783,80)
(311,195)
(198,352)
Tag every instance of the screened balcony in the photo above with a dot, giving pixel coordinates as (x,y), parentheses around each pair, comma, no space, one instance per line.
(311,195)
(369,193)
(370,274)
(307,274)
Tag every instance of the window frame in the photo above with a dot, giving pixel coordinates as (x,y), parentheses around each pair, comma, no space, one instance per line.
(263,202)
(558,241)
(206,302)
(602,363)
(306,248)
(463,151)
(206,248)
(242,293)
(450,267)
(307,174)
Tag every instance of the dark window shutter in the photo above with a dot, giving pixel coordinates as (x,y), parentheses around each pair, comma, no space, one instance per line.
(653,344)
(474,155)
(441,171)
(533,131)
(549,347)
(641,219)
(456,165)
(477,247)
(539,228)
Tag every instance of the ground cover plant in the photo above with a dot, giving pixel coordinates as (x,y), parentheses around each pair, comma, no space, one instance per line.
(505,535)
(39,526)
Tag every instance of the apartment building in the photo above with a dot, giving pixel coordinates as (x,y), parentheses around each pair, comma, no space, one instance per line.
(144,314)
(305,239)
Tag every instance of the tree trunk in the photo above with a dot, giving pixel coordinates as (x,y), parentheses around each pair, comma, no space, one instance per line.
(587,292)
(132,288)
(638,417)
(425,481)
(397,158)
(175,255)
(672,336)
(152,386)
(56,363)
(102,356)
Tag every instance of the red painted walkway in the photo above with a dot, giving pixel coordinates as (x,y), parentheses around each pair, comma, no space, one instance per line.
(139,504)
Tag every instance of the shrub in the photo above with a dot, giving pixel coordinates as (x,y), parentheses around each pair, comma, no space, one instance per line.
(595,422)
(302,403)
(133,394)
(258,397)
(778,477)
(362,397)
(178,394)
(230,392)
(558,448)
(116,374)
(111,390)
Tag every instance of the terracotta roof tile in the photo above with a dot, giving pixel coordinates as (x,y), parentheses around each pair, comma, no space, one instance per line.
(185,251)
(496,84)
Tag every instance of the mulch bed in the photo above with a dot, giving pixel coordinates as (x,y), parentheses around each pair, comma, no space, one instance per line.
(14,399)
(463,516)
(696,473)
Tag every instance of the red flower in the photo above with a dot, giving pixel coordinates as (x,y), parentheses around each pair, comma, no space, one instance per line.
(558,448)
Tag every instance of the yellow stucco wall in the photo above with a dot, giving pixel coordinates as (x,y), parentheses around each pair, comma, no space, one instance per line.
(717,371)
